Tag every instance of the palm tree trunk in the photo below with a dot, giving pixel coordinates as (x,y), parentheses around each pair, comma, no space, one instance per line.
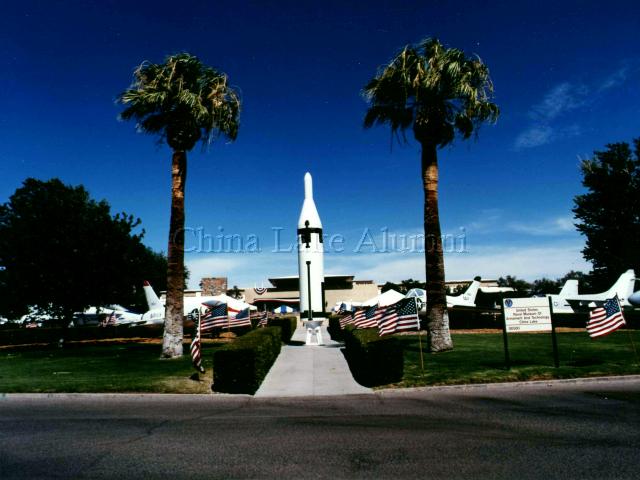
(437,315)
(173,322)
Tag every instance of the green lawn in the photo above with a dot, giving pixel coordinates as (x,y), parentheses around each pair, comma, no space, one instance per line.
(131,367)
(479,358)
(476,358)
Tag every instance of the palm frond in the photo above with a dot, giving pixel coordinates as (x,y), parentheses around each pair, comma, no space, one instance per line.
(182,100)
(437,91)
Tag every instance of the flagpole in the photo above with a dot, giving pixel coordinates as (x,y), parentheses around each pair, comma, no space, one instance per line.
(415,299)
(633,345)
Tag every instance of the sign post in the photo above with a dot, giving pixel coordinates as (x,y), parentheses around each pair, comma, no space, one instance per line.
(529,315)
(505,339)
(554,340)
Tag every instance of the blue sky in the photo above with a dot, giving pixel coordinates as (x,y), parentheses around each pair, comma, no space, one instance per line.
(566,78)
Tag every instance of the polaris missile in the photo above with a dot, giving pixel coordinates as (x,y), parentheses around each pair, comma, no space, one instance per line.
(310,255)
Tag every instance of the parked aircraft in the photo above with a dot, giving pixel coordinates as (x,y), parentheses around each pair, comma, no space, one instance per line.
(192,305)
(155,314)
(34,318)
(569,301)
(635,299)
(111,315)
(347,305)
(465,299)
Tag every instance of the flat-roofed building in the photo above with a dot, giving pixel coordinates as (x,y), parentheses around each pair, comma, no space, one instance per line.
(337,288)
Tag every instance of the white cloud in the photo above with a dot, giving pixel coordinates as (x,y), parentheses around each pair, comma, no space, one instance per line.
(241,269)
(553,259)
(560,99)
(528,262)
(616,78)
(534,136)
(537,135)
(557,226)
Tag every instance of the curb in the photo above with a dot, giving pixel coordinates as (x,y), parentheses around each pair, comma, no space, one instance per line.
(124,396)
(505,385)
(381,393)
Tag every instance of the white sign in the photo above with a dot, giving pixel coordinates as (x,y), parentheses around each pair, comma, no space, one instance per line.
(527,315)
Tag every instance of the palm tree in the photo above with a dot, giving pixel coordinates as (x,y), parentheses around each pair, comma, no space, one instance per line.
(438,92)
(183,101)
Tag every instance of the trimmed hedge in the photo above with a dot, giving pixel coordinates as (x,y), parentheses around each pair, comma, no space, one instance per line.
(373,360)
(20,336)
(334,328)
(287,326)
(240,367)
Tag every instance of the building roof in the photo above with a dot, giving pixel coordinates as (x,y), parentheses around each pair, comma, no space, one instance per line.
(331,282)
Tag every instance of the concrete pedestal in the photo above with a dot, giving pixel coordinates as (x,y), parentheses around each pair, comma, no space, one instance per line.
(314,332)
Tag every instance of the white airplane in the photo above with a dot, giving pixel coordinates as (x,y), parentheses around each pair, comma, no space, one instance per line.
(192,305)
(635,299)
(156,312)
(34,318)
(116,315)
(465,299)
(570,301)
(347,305)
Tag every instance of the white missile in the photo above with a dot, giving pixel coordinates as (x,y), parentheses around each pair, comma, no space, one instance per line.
(310,256)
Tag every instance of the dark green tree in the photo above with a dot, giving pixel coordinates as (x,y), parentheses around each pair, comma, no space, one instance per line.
(609,213)
(406,285)
(182,101)
(584,281)
(390,286)
(439,93)
(545,286)
(63,252)
(521,287)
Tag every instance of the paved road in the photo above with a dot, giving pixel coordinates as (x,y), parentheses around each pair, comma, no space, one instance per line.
(583,430)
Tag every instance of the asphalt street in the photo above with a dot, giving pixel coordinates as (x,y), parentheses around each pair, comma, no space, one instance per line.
(559,430)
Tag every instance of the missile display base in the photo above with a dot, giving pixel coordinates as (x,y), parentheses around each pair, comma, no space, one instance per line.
(314,332)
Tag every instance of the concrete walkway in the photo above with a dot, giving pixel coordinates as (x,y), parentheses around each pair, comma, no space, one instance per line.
(302,371)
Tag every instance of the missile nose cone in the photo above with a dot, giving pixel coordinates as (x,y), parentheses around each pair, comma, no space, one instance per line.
(309,212)
(308,186)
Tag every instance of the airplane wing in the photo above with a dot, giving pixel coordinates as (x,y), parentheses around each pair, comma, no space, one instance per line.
(583,305)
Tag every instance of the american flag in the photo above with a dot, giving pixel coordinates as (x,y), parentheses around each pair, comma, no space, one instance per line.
(263,318)
(216,316)
(196,357)
(242,319)
(346,320)
(402,315)
(606,319)
(368,317)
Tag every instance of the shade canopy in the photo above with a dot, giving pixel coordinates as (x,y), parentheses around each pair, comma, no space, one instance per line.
(387,298)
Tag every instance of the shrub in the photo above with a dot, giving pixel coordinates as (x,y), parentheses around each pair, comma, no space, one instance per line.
(334,328)
(287,325)
(373,360)
(240,367)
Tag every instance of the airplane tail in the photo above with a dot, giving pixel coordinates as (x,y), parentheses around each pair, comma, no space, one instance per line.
(469,295)
(569,289)
(153,302)
(623,286)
